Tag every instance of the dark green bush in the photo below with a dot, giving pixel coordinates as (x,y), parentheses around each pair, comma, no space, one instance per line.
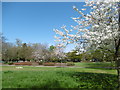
(40,63)
(5,63)
(10,63)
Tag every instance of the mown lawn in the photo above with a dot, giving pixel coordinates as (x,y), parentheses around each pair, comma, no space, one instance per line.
(58,77)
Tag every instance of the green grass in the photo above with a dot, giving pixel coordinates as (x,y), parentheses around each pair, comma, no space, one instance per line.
(76,69)
(54,77)
(57,79)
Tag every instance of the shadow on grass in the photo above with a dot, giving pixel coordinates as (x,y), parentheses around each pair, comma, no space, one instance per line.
(102,68)
(93,80)
(99,65)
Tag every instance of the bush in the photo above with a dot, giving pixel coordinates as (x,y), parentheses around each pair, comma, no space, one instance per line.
(40,63)
(10,63)
(70,64)
(5,62)
(23,63)
(49,64)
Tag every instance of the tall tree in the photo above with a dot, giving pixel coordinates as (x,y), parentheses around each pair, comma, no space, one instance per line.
(41,52)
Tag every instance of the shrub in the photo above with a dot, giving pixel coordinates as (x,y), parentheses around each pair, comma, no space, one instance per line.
(10,63)
(23,63)
(5,63)
(49,64)
(70,64)
(40,63)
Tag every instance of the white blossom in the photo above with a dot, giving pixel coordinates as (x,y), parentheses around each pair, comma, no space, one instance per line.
(101,25)
(83,9)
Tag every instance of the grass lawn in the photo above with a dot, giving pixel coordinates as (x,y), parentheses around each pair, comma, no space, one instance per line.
(58,77)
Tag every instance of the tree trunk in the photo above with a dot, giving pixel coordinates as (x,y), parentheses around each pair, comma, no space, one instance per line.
(117,59)
(117,47)
(118,71)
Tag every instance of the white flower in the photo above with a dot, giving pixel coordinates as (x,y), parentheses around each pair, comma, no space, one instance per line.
(74,18)
(96,26)
(83,9)
(94,7)
(60,45)
(71,30)
(74,7)
(56,37)
(86,18)
(99,41)
(59,32)
(71,35)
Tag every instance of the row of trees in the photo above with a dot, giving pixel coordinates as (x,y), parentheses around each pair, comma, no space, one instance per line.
(36,52)
(91,55)
(28,52)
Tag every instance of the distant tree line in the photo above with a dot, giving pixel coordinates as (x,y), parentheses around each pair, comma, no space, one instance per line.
(28,52)
(42,52)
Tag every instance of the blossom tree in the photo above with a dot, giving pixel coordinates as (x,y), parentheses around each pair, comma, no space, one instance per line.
(59,51)
(40,52)
(99,29)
